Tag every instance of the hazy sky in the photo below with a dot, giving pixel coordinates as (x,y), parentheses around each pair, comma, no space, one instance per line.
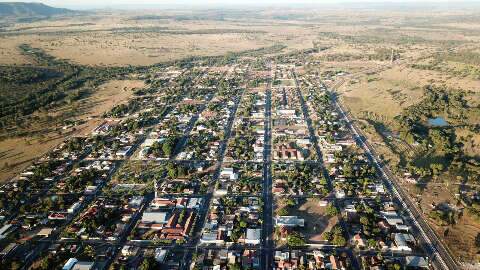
(197,3)
(145,4)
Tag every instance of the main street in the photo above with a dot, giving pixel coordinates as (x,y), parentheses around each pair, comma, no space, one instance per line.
(267,235)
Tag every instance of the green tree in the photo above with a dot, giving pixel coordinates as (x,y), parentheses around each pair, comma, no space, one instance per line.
(371,243)
(364,220)
(89,252)
(339,240)
(295,240)
(290,202)
(436,168)
(331,210)
(168,146)
(44,263)
(235,266)
(171,170)
(327,236)
(145,264)
(243,224)
(283,212)
(15,265)
(182,171)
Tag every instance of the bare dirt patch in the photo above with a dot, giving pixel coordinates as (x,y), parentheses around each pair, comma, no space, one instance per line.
(316,221)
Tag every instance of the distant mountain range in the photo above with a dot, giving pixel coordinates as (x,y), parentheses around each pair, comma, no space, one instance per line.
(21,9)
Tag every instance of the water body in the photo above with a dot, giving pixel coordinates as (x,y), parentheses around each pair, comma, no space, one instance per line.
(437,122)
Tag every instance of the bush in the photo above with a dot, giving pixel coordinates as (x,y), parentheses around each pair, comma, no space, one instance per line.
(283,212)
(339,240)
(295,240)
(332,210)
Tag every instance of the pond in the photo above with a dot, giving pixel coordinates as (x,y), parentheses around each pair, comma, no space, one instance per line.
(437,122)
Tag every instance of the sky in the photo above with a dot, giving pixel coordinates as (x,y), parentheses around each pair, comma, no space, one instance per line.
(210,2)
(197,3)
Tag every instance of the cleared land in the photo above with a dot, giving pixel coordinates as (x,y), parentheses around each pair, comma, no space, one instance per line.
(316,220)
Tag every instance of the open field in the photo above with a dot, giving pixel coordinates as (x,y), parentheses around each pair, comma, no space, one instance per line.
(466,226)
(112,40)
(10,54)
(398,88)
(141,38)
(316,220)
(108,95)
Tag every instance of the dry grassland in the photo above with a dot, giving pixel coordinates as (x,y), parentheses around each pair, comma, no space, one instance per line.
(18,153)
(120,41)
(10,54)
(466,228)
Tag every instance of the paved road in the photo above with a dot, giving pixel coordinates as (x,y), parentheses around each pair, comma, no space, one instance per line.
(191,124)
(439,256)
(267,231)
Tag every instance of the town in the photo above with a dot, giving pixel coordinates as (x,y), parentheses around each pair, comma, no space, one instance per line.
(239,135)
(248,165)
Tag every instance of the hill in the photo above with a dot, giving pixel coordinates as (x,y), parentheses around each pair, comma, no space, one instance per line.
(21,9)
